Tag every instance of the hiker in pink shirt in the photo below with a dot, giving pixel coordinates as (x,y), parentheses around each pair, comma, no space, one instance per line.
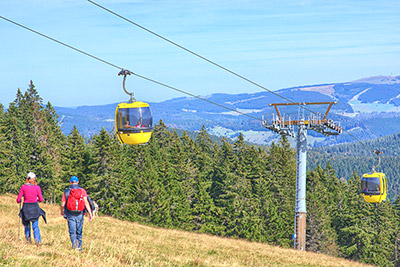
(31,211)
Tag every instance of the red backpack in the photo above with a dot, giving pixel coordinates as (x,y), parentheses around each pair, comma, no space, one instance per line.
(75,201)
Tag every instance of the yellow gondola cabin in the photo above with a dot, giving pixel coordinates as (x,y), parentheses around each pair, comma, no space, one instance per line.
(133,122)
(374,187)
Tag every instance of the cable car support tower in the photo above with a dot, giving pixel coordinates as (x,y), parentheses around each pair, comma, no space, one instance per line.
(286,127)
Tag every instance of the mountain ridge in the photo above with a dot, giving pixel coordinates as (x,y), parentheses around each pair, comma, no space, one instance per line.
(361,105)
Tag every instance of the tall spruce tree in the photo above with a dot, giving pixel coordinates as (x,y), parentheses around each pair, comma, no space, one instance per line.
(182,176)
(76,158)
(35,140)
(104,151)
(7,175)
(151,189)
(322,199)
(52,141)
(282,166)
(14,129)
(204,213)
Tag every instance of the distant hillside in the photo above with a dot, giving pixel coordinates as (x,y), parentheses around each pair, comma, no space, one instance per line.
(111,242)
(389,145)
(368,108)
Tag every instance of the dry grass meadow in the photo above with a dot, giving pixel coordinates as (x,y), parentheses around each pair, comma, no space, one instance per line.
(110,242)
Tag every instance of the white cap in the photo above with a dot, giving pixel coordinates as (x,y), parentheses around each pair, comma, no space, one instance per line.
(31,175)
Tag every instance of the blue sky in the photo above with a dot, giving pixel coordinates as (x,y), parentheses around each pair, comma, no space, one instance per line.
(278,44)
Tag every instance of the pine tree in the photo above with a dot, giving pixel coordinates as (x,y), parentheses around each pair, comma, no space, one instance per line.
(282,166)
(35,140)
(203,213)
(204,154)
(322,199)
(231,192)
(204,141)
(161,135)
(14,130)
(151,195)
(76,158)
(6,169)
(224,168)
(183,179)
(104,150)
(52,140)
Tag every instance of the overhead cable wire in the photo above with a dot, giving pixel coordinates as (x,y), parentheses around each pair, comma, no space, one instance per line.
(214,63)
(136,74)
(362,143)
(198,55)
(209,101)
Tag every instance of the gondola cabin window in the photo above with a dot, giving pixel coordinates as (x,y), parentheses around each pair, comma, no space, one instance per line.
(371,185)
(129,118)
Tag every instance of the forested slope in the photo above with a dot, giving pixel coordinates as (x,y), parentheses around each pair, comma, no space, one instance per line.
(233,190)
(348,158)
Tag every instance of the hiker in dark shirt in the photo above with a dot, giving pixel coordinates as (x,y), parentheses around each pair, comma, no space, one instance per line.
(31,211)
(74,212)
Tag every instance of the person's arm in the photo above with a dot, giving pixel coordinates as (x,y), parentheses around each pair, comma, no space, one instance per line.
(20,194)
(87,205)
(63,200)
(39,194)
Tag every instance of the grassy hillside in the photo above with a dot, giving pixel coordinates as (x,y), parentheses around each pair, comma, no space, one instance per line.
(110,242)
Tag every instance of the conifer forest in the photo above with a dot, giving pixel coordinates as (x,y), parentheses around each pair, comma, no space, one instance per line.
(221,188)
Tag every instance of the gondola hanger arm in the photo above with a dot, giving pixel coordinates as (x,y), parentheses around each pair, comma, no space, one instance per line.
(132,95)
(377,152)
